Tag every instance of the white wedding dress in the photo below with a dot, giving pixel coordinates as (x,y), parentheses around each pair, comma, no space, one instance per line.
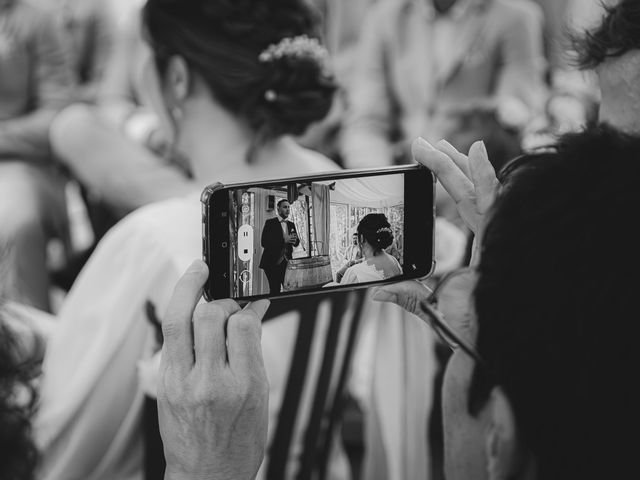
(366,271)
(89,422)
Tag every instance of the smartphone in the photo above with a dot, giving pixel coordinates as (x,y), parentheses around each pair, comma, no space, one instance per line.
(318,233)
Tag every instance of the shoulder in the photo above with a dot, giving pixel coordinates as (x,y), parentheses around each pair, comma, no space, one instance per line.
(161,215)
(310,161)
(392,259)
(270,224)
(171,226)
(396,264)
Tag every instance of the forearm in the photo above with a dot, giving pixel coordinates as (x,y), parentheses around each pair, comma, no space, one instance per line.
(27,137)
(172,475)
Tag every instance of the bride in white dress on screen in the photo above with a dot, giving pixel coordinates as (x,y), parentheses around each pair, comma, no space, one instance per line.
(374,235)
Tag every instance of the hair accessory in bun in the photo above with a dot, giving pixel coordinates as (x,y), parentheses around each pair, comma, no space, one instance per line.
(296,47)
(270,95)
(385,229)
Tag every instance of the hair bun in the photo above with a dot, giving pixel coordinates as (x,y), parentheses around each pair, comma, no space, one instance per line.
(376,230)
(223,41)
(298,91)
(384,237)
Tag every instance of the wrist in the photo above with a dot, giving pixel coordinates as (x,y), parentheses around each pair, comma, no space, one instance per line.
(174,474)
(180,474)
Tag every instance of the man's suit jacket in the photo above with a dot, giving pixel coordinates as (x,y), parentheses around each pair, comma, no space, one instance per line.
(272,241)
(399,90)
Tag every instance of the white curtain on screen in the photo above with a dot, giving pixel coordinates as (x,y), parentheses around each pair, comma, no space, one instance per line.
(374,192)
(321,217)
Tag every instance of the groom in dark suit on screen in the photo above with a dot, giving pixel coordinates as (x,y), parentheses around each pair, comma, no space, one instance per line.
(279,236)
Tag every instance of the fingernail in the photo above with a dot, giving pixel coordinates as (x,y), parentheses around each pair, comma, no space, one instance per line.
(480,148)
(444,143)
(196,266)
(423,143)
(483,148)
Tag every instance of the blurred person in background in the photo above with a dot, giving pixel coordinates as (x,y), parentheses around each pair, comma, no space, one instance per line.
(111,140)
(605,41)
(17,406)
(36,81)
(556,40)
(352,253)
(612,49)
(233,81)
(342,25)
(90,33)
(118,148)
(418,58)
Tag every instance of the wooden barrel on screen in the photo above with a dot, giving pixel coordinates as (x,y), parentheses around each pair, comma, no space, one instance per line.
(307,273)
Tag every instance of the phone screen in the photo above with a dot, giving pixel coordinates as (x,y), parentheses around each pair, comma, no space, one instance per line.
(322,234)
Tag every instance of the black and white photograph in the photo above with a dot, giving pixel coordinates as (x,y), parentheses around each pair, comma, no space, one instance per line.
(319,239)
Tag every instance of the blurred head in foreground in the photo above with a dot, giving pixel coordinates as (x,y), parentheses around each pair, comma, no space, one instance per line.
(554,323)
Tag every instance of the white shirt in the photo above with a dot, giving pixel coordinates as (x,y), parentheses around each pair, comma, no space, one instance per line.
(283,225)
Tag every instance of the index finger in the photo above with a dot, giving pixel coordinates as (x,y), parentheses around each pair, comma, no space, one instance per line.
(453,179)
(244,331)
(177,349)
(483,176)
(209,322)
(460,159)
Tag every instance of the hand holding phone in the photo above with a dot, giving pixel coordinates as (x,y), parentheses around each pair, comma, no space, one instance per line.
(251,255)
(470,180)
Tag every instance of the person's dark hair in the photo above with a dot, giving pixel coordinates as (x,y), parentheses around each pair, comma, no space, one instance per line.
(376,230)
(17,406)
(556,301)
(280,202)
(222,41)
(618,33)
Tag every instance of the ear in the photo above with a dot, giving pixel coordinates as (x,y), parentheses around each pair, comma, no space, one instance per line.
(503,453)
(178,78)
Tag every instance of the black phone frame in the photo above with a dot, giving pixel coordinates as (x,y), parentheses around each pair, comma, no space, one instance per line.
(215,218)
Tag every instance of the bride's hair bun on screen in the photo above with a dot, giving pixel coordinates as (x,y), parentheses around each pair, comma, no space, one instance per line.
(376,230)
(261,59)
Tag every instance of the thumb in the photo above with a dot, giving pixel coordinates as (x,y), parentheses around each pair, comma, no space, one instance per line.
(405,294)
(386,293)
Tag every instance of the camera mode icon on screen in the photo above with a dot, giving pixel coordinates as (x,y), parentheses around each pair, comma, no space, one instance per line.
(245,243)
